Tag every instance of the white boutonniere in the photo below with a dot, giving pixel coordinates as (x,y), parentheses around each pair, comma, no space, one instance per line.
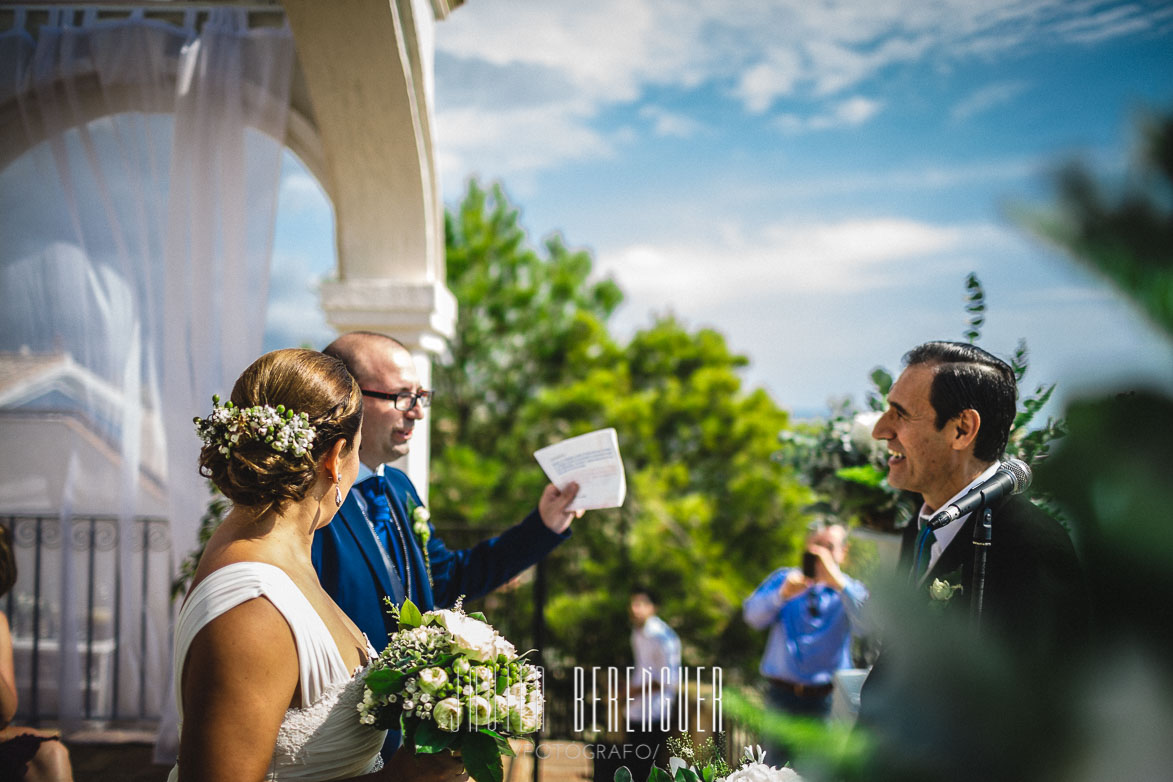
(420,516)
(941,592)
(419,524)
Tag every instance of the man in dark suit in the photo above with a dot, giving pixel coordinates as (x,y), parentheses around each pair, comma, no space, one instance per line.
(381,543)
(947,425)
(939,695)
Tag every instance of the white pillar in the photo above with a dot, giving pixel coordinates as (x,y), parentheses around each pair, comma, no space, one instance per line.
(368,71)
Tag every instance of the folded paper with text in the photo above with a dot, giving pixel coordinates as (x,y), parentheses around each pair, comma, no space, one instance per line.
(592,461)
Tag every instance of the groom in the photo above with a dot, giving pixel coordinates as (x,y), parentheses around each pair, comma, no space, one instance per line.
(380,544)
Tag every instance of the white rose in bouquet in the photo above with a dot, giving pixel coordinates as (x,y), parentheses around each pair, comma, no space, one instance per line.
(525,719)
(448,714)
(472,637)
(480,711)
(483,678)
(760,772)
(432,680)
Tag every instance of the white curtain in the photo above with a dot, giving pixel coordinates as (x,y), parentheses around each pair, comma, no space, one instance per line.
(137,221)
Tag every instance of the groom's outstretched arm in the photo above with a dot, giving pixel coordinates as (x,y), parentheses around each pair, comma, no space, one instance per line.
(476,571)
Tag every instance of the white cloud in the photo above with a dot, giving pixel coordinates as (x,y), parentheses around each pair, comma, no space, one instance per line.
(568,62)
(760,84)
(989,97)
(1106,23)
(294,316)
(848,113)
(669,123)
(843,258)
(300,193)
(912,179)
(494,144)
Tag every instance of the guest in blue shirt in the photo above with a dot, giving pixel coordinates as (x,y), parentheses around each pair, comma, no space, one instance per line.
(810,617)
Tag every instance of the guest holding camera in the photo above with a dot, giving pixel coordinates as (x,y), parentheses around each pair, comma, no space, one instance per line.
(811,612)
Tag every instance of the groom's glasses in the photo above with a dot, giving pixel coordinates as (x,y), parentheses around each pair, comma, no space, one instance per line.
(404,400)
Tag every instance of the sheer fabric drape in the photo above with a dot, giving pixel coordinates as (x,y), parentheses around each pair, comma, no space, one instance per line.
(137,223)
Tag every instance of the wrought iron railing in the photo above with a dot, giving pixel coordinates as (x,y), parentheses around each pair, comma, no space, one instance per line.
(83,554)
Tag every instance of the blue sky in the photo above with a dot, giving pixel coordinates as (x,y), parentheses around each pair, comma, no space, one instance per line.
(814,179)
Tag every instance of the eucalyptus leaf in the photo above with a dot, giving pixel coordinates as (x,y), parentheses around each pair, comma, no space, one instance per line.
(659,775)
(503,745)
(481,758)
(410,616)
(384,680)
(429,739)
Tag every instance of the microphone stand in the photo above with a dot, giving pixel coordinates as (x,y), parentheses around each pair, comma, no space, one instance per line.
(983,532)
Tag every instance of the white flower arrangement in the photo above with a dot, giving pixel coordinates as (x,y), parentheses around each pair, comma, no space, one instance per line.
(282,430)
(690,763)
(449,680)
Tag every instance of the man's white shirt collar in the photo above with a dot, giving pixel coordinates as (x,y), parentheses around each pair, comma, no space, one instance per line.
(364,472)
(946,534)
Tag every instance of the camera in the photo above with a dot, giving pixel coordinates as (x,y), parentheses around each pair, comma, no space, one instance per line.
(808,563)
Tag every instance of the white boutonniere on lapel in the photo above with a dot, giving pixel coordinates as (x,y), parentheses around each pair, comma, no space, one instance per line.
(941,591)
(419,517)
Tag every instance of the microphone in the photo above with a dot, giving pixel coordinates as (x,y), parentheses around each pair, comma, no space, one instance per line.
(1013,477)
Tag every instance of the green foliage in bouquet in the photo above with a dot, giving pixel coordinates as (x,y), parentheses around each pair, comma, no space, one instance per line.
(847,469)
(449,681)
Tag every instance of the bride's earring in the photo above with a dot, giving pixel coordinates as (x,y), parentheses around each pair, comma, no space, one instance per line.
(337,494)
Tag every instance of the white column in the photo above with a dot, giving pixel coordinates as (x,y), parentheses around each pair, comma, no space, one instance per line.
(420,315)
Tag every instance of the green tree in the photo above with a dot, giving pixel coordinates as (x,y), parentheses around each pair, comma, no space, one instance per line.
(708,511)
(526,322)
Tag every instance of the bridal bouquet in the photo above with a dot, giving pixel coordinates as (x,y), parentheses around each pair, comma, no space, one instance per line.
(449,681)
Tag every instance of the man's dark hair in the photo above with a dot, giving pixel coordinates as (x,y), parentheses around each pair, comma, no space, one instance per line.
(640,589)
(968,378)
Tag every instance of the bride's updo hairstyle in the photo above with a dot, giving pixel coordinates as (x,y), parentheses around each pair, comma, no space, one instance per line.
(253,471)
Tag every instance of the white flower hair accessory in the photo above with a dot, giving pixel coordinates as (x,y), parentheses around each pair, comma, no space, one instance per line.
(282,430)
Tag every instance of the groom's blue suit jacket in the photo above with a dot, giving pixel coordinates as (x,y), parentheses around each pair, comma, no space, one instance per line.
(351,569)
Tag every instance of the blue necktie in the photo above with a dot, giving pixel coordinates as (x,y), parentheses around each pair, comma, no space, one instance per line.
(378,508)
(380,514)
(924,552)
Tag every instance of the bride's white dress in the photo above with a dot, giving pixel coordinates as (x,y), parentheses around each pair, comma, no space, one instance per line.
(322,740)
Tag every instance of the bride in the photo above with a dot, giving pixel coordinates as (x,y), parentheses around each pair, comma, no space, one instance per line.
(265,662)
